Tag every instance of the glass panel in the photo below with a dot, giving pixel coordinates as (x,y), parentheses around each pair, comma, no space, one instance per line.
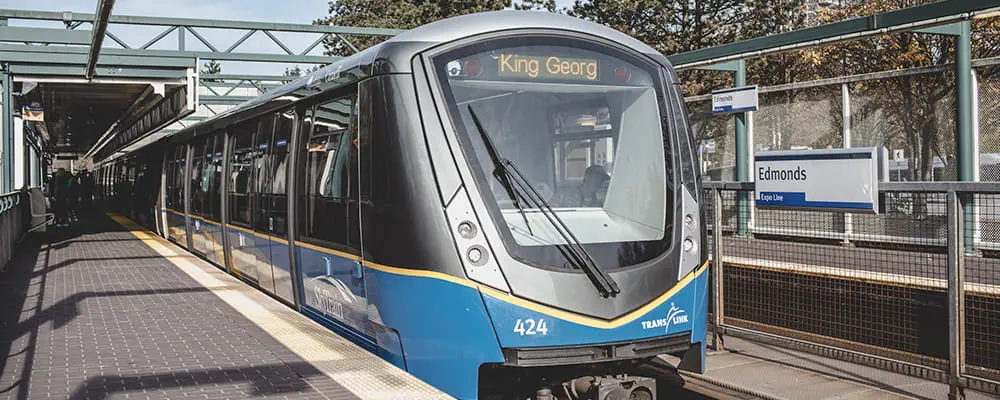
(583,124)
(326,171)
(241,172)
(215,182)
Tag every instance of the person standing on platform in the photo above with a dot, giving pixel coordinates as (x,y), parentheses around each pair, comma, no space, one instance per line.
(59,189)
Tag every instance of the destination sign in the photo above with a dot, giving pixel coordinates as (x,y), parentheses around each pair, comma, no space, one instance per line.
(552,67)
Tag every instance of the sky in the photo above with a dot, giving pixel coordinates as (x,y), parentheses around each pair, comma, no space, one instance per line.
(303,12)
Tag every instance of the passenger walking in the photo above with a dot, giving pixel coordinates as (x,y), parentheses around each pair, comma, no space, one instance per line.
(73,197)
(59,189)
(85,183)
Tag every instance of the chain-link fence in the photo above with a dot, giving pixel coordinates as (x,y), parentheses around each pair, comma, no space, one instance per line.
(910,113)
(888,302)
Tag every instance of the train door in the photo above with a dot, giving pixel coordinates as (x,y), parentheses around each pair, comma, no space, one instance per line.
(243,242)
(176,230)
(274,202)
(213,206)
(259,202)
(328,247)
(205,210)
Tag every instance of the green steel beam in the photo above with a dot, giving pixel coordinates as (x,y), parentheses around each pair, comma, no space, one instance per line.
(230,85)
(939,13)
(963,94)
(78,55)
(743,147)
(731,66)
(43,35)
(245,77)
(168,58)
(965,141)
(201,23)
(949,30)
(100,26)
(223,100)
(102,72)
(8,131)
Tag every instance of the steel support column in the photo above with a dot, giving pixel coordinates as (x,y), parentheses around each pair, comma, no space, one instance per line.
(965,142)
(743,146)
(8,129)
(956,296)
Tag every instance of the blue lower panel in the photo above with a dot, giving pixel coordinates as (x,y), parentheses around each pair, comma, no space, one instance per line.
(444,329)
(331,289)
(519,327)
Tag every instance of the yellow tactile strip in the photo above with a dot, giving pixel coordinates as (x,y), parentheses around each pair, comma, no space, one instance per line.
(363,373)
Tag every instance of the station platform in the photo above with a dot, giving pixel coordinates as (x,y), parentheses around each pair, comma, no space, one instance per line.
(757,370)
(106,309)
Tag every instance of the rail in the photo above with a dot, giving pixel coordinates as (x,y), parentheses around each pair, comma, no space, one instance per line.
(914,288)
(14,219)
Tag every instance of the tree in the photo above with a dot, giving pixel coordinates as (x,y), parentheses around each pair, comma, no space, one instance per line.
(546,5)
(293,71)
(396,14)
(211,67)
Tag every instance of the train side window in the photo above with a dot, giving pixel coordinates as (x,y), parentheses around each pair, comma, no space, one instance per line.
(279,152)
(175,182)
(326,172)
(214,166)
(197,204)
(241,161)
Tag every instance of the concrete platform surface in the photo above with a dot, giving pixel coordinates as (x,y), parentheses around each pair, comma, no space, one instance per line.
(107,310)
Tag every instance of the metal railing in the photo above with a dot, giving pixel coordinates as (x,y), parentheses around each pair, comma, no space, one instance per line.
(929,306)
(14,220)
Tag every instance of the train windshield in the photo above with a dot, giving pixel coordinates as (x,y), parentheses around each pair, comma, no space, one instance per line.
(582,122)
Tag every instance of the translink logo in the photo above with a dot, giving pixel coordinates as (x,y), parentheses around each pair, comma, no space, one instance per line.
(675,316)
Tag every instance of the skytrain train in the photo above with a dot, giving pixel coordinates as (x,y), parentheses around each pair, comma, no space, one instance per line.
(507,205)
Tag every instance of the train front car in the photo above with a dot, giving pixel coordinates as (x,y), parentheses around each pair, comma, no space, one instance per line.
(575,202)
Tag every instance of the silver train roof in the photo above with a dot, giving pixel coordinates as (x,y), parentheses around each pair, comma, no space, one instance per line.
(394,54)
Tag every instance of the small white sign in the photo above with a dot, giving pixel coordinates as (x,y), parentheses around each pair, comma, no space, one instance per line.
(829,179)
(734,100)
(897,155)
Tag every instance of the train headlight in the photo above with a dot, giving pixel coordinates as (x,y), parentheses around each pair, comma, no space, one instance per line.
(467,230)
(689,221)
(476,255)
(689,245)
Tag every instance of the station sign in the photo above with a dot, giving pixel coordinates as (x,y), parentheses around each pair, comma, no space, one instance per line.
(844,180)
(33,113)
(739,99)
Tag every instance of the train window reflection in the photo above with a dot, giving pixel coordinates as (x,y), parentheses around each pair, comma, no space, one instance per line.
(241,164)
(326,171)
(583,124)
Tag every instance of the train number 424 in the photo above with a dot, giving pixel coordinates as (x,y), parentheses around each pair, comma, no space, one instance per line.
(531,327)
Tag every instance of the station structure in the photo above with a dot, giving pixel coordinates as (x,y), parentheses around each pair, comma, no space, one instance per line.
(78,93)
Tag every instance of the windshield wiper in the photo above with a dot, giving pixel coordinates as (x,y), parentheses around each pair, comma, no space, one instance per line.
(573,251)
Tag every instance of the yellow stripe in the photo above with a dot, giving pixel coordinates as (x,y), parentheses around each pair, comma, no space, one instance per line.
(391,270)
(424,274)
(595,322)
(508,298)
(505,297)
(328,251)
